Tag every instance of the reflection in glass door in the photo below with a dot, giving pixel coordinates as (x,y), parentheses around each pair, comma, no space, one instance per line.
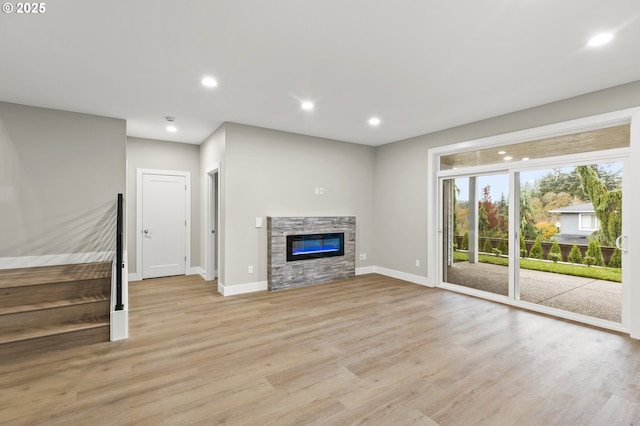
(475,232)
(570,220)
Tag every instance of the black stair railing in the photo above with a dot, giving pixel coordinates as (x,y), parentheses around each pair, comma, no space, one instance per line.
(119,263)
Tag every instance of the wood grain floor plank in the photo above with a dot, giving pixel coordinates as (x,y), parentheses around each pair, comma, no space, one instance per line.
(369,350)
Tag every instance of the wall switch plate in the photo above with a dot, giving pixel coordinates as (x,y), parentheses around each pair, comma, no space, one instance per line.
(258,222)
(317,191)
(251,269)
(321,191)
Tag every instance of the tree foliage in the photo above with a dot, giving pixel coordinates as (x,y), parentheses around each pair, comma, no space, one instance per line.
(594,251)
(536,251)
(606,203)
(575,255)
(616,259)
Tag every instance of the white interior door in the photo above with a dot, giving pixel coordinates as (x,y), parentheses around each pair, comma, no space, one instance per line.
(164,225)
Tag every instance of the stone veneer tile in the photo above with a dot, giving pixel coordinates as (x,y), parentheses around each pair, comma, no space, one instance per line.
(282,274)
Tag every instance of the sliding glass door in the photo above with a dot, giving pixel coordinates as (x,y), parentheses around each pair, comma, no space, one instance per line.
(570,221)
(476,236)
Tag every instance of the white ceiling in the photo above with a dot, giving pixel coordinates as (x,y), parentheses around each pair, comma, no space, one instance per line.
(419,65)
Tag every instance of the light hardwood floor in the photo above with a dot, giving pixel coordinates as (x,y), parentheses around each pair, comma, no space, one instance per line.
(370,350)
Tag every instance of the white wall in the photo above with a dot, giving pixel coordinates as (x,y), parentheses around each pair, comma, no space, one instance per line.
(163,155)
(60,173)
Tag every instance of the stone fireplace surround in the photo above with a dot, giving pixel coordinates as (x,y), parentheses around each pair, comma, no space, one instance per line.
(282,274)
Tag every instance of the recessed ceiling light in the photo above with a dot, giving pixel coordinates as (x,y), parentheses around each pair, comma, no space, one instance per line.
(502,152)
(525,159)
(307,105)
(209,82)
(507,158)
(171,127)
(600,39)
(374,121)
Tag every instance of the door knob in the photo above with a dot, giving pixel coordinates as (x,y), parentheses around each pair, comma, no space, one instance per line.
(146,231)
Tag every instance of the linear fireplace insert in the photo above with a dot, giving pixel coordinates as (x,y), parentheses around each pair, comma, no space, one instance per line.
(314,246)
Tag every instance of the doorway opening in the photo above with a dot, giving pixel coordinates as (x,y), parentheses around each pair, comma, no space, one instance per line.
(212,228)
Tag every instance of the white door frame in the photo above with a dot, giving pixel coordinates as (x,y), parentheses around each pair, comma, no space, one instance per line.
(210,272)
(139,230)
(631,321)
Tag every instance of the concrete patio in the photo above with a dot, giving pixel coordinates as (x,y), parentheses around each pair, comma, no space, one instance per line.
(586,296)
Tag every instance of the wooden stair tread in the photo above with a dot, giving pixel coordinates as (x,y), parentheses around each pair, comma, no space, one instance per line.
(53,274)
(51,330)
(52,304)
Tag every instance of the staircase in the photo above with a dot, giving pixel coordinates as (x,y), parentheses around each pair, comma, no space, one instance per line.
(53,307)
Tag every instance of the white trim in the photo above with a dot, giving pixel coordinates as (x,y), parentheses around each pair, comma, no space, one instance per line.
(133,276)
(233,290)
(210,272)
(404,276)
(195,270)
(119,320)
(119,329)
(55,259)
(366,270)
(138,227)
(591,214)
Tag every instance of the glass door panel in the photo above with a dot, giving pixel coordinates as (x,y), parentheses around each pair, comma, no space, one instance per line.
(475,232)
(570,219)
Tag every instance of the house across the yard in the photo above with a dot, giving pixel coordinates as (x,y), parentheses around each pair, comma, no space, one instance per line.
(576,224)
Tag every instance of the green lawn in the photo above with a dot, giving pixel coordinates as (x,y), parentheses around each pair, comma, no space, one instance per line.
(607,274)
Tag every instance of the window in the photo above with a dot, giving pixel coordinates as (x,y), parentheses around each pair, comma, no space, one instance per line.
(588,222)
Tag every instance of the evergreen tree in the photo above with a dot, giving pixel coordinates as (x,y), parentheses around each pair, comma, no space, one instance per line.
(575,255)
(487,247)
(594,251)
(465,241)
(555,254)
(616,259)
(607,204)
(523,246)
(502,246)
(536,250)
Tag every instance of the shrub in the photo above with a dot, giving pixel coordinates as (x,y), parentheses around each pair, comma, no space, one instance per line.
(497,252)
(616,259)
(555,253)
(487,247)
(589,260)
(523,246)
(555,257)
(594,250)
(575,255)
(536,250)
(465,241)
(502,246)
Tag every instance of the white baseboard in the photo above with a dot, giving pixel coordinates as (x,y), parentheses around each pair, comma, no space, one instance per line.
(416,279)
(233,290)
(366,270)
(55,259)
(194,270)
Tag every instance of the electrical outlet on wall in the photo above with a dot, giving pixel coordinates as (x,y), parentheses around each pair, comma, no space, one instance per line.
(363,256)
(417,263)
(251,269)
